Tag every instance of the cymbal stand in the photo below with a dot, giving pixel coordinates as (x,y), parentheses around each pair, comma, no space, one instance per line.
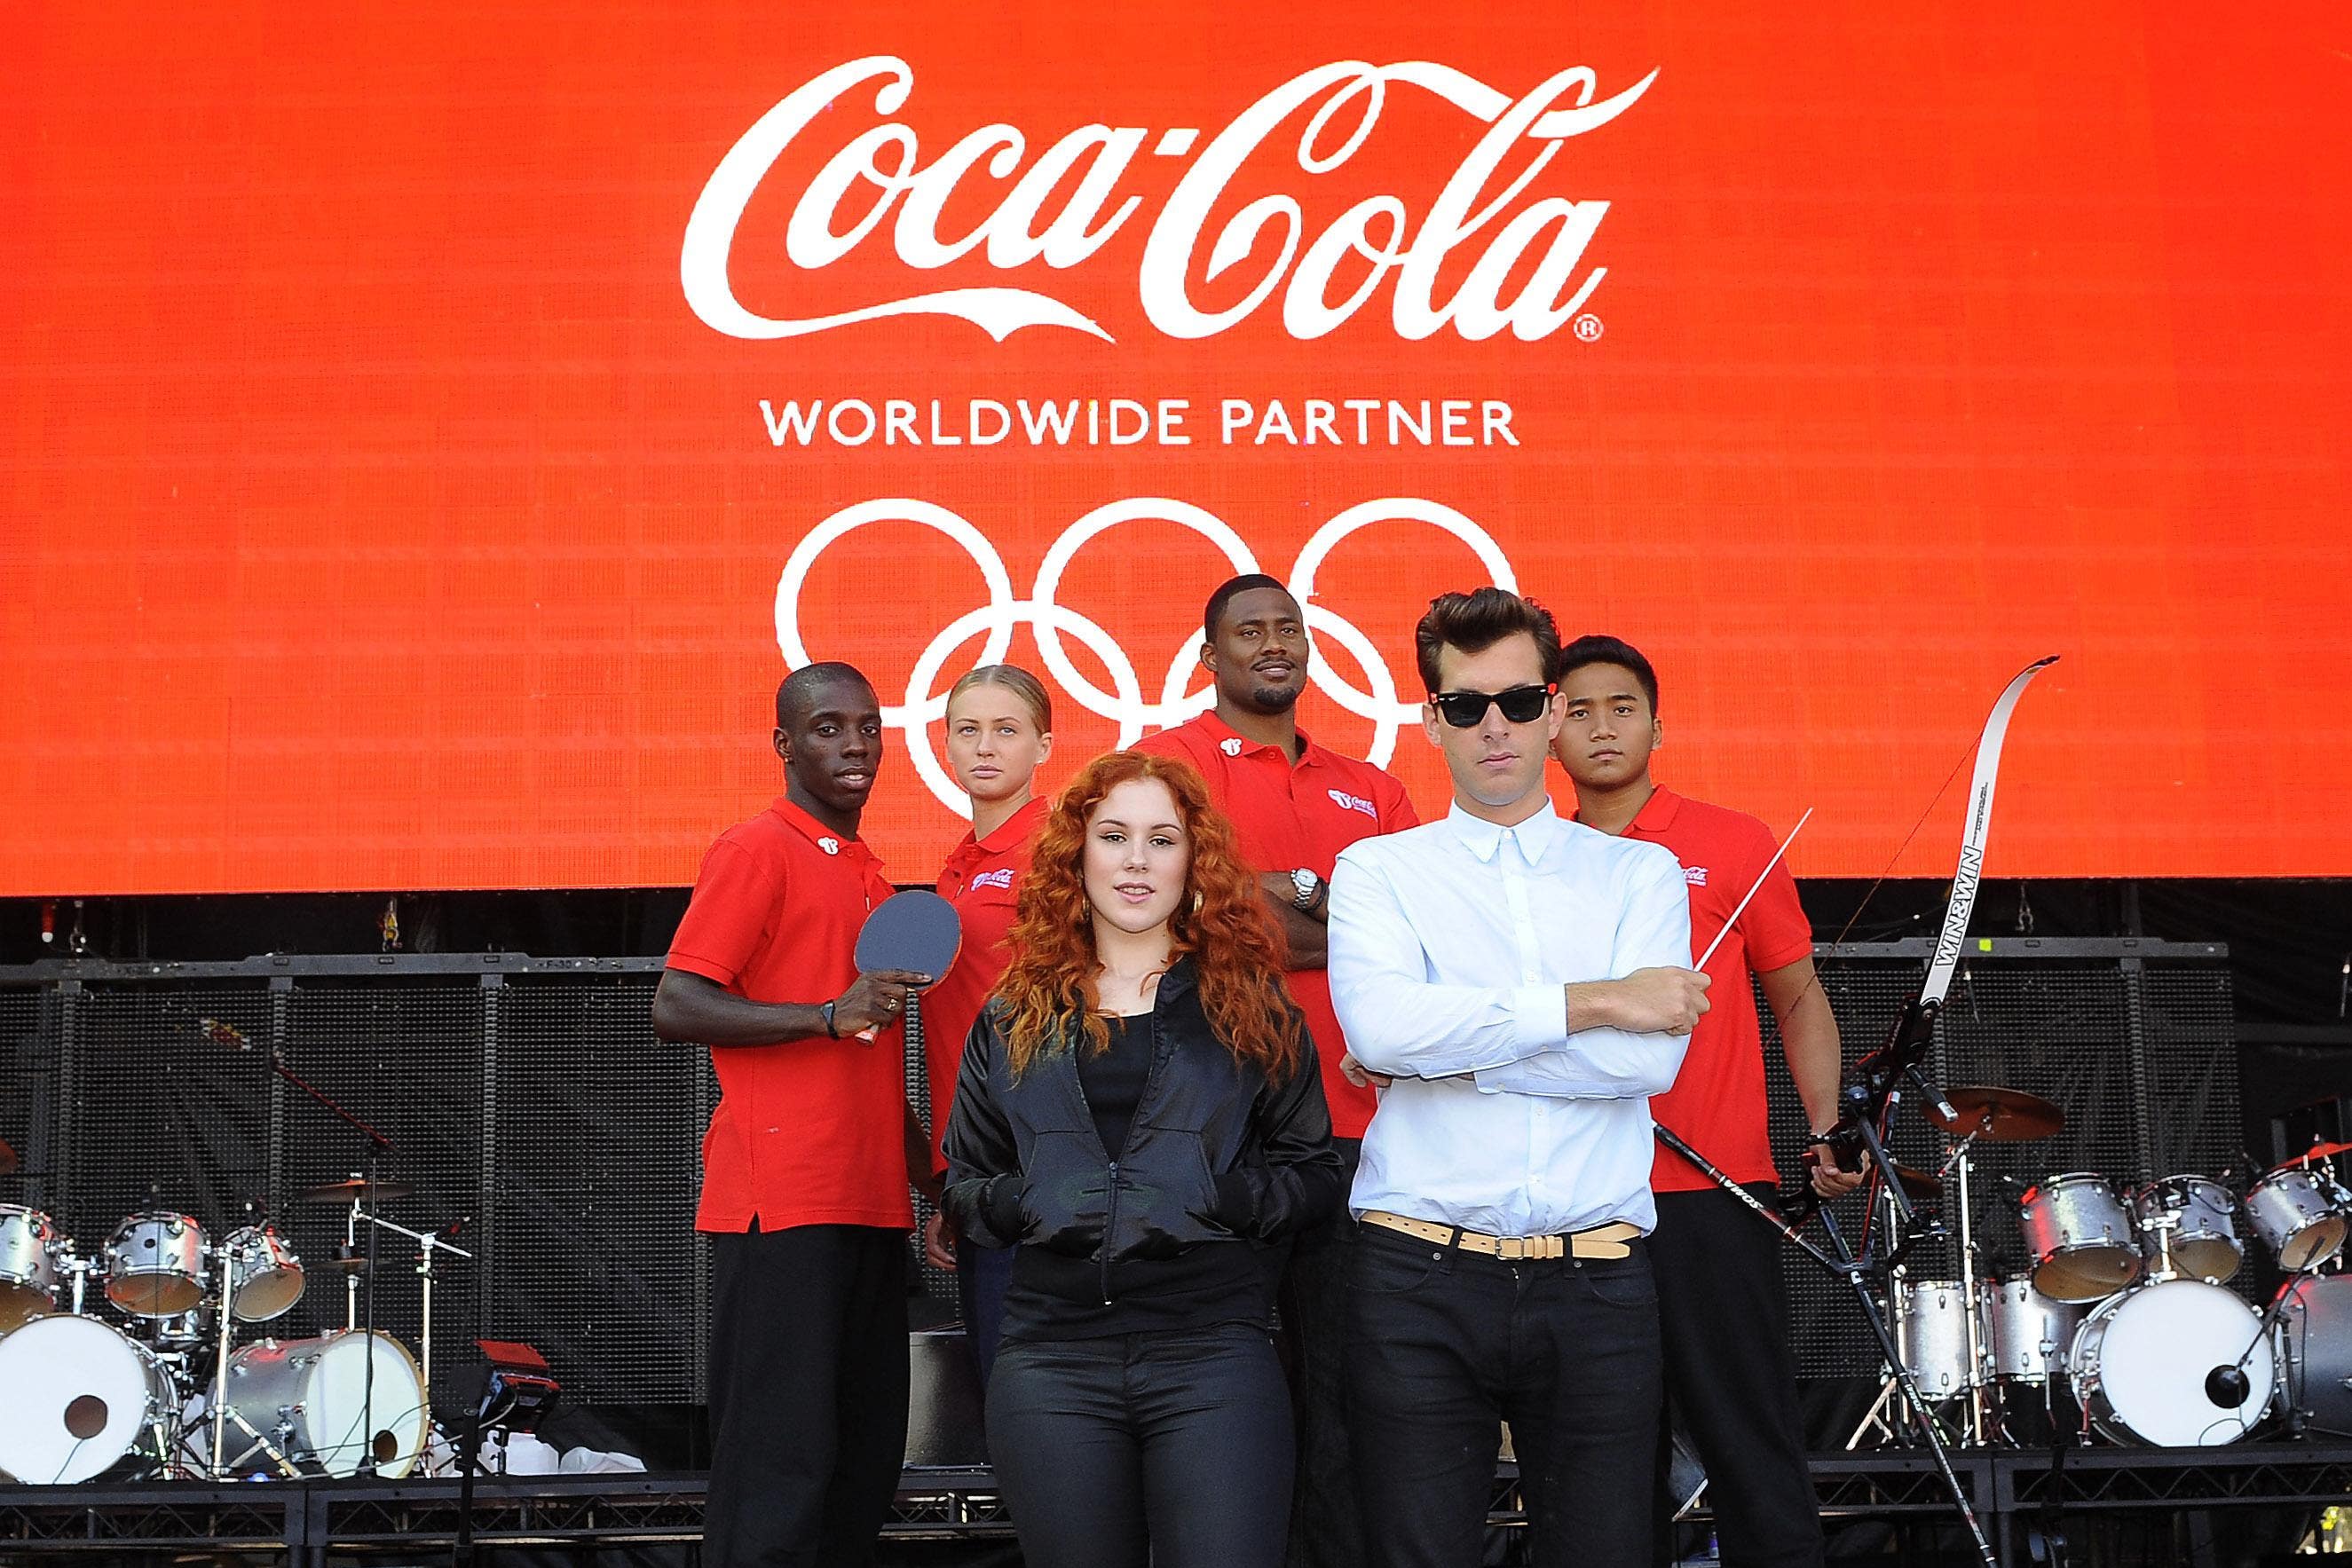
(377,1146)
(1884,1421)
(223,1259)
(427,1242)
(1960,1162)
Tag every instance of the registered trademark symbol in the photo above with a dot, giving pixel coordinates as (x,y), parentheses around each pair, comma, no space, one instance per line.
(1588,327)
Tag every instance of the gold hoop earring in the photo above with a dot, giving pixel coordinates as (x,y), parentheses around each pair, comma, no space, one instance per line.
(1197,902)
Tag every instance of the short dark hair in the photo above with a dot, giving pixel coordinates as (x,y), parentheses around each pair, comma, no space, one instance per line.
(1475,621)
(1597,648)
(1224,595)
(797,691)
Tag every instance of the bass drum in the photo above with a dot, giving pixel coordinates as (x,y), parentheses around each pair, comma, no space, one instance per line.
(79,1397)
(2315,1339)
(2178,1364)
(310,1402)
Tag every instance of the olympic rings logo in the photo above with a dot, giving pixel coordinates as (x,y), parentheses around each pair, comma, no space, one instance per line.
(1126,705)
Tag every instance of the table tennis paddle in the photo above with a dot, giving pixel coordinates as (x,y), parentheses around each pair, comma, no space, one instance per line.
(916,931)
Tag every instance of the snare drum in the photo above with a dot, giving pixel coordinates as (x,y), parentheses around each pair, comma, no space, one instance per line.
(155,1265)
(265,1277)
(2079,1235)
(2191,1219)
(2025,1332)
(2299,1214)
(31,1253)
(1932,1318)
(2147,1365)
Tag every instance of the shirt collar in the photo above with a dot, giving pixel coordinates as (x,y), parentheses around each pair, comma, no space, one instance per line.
(816,832)
(1218,730)
(1484,839)
(1016,827)
(1657,815)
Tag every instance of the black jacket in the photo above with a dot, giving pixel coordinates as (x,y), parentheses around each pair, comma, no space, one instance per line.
(1215,1153)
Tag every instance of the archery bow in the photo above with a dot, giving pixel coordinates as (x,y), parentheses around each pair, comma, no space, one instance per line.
(1912,1031)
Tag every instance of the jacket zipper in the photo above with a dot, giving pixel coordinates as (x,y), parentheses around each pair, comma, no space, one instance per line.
(1110,1223)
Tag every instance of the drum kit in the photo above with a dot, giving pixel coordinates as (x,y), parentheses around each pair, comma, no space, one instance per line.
(169,1391)
(2120,1317)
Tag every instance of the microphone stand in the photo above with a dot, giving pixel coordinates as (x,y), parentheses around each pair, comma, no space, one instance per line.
(376,1144)
(1868,1104)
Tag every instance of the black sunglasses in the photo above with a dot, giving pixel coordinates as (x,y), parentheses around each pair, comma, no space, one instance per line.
(1520,705)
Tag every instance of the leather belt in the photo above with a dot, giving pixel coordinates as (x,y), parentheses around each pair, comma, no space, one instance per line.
(1601,1241)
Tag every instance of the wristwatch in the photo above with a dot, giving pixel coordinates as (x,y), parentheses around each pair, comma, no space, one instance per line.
(1306,887)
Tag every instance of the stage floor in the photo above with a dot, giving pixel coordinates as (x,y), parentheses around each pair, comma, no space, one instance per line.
(303,1522)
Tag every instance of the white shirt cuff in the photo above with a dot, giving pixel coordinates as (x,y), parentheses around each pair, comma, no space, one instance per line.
(1539,1017)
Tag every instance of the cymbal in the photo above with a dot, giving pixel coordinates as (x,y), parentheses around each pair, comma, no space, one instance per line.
(354,1190)
(7,1158)
(345,1266)
(1998,1115)
(2317,1152)
(1918,1184)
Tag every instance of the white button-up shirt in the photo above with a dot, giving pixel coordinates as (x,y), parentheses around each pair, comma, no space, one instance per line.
(1451,948)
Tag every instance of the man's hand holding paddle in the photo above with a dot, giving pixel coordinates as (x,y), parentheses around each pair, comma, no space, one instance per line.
(875,1000)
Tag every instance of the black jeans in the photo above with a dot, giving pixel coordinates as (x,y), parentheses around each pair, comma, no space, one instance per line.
(1733,1375)
(808,1395)
(1326,1520)
(1444,1346)
(1171,1449)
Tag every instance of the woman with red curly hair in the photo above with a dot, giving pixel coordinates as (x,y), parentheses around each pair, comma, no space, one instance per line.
(1138,1114)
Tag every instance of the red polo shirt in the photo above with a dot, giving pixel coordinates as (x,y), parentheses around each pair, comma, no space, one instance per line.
(1717,1103)
(1288,816)
(810,1131)
(982,880)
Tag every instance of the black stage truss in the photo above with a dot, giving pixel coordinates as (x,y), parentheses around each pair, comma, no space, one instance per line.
(306,1521)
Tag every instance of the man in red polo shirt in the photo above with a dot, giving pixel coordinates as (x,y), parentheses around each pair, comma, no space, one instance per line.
(1731,1369)
(810,1150)
(1295,806)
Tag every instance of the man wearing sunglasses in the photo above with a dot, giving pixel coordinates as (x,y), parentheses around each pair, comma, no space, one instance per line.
(1523,981)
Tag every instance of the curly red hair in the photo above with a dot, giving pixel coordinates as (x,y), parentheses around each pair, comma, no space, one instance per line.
(1223,923)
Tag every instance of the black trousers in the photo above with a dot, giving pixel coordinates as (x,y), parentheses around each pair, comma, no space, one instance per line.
(808,1395)
(1444,1346)
(1326,1520)
(1732,1374)
(1171,1450)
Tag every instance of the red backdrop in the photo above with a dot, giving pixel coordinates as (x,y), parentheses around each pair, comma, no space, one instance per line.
(379,512)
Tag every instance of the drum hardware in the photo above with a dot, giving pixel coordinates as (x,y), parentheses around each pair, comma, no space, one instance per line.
(363,1186)
(158,1264)
(356,1189)
(32,1249)
(2301,1214)
(82,1397)
(427,1243)
(1958,1160)
(342,1404)
(2080,1235)
(2314,1314)
(2190,1220)
(2173,1363)
(1997,1115)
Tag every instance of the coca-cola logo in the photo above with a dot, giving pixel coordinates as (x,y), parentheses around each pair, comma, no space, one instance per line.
(1526,271)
